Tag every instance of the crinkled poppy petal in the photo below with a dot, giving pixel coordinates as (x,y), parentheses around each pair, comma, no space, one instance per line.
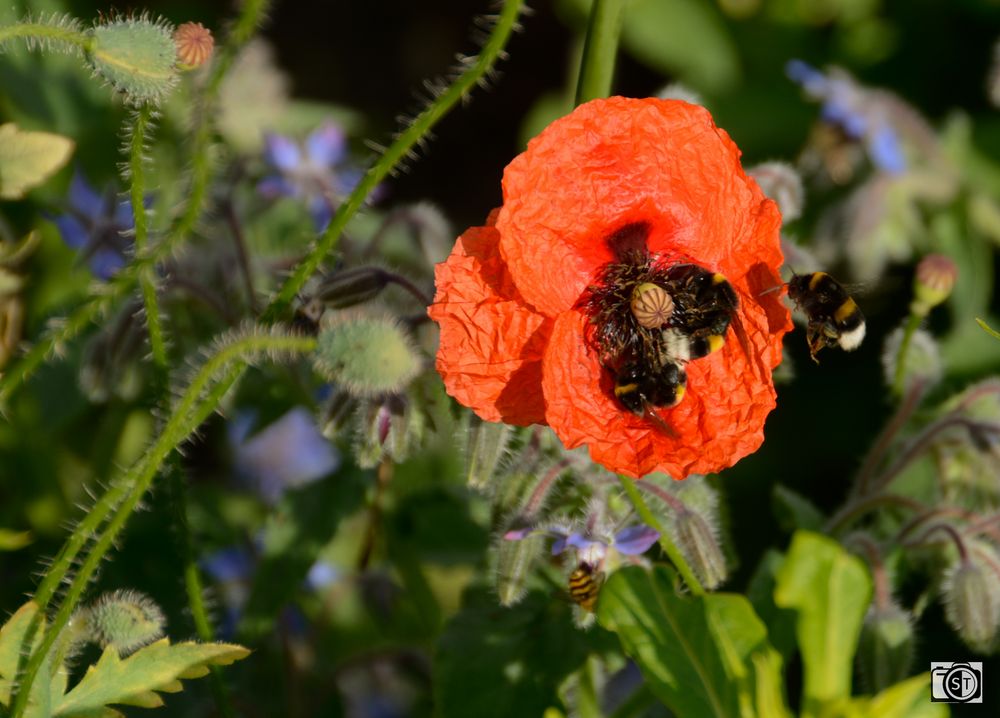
(615,162)
(491,342)
(720,420)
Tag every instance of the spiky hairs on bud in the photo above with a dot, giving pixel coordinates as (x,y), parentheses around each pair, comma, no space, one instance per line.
(971,591)
(126,620)
(886,647)
(391,429)
(137,56)
(513,566)
(368,356)
(486,445)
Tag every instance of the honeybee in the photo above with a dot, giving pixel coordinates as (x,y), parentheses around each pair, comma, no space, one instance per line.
(585,586)
(649,318)
(833,317)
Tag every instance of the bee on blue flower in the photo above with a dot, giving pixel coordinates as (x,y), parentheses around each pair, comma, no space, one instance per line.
(98,225)
(314,171)
(861,114)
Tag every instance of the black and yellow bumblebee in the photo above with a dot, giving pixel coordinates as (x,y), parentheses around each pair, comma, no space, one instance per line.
(650,317)
(833,317)
(585,586)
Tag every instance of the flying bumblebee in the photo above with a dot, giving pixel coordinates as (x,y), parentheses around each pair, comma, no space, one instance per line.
(649,318)
(585,585)
(833,317)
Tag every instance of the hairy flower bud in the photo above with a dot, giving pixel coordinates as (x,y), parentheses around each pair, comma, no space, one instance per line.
(388,429)
(368,356)
(933,282)
(137,56)
(126,620)
(885,650)
(514,560)
(194,45)
(485,446)
(922,363)
(971,591)
(699,543)
(350,287)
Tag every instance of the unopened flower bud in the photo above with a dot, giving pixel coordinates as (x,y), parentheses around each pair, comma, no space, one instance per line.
(137,56)
(194,45)
(390,428)
(368,356)
(922,362)
(782,183)
(350,287)
(336,414)
(700,546)
(111,363)
(972,602)
(514,560)
(126,620)
(885,649)
(486,445)
(934,280)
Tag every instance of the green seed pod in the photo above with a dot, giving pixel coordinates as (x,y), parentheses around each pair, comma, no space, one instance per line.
(699,543)
(485,446)
(971,592)
(367,356)
(126,620)
(514,560)
(885,649)
(137,56)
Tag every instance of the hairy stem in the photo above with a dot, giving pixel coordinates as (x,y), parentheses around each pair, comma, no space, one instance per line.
(203,394)
(666,543)
(405,141)
(154,322)
(43,32)
(912,323)
(597,68)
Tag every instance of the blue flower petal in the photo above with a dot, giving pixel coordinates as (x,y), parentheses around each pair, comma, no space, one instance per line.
(274,186)
(123,216)
(105,262)
(233,563)
(812,80)
(72,230)
(282,152)
(885,150)
(635,540)
(321,212)
(84,198)
(326,146)
(582,543)
(288,453)
(558,546)
(321,575)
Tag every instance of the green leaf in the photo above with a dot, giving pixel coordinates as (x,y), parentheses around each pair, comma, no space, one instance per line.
(830,590)
(29,158)
(498,662)
(13,634)
(908,699)
(795,511)
(702,656)
(135,680)
(987,328)
(780,622)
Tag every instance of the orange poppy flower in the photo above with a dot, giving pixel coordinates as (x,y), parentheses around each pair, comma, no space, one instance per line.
(511,299)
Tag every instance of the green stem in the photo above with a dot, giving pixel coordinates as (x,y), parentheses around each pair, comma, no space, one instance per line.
(597,67)
(199,400)
(666,543)
(125,281)
(192,583)
(43,32)
(912,323)
(405,141)
(154,322)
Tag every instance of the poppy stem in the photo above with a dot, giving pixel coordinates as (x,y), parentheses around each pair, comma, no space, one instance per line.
(666,543)
(597,66)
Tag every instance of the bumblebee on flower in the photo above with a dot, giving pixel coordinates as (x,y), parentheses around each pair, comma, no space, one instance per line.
(621,191)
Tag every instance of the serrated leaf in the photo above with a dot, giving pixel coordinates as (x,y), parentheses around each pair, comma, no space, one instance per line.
(830,591)
(701,655)
(28,158)
(136,679)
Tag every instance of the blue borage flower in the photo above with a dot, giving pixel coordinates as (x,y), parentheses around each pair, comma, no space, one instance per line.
(314,171)
(591,548)
(288,453)
(856,110)
(98,225)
